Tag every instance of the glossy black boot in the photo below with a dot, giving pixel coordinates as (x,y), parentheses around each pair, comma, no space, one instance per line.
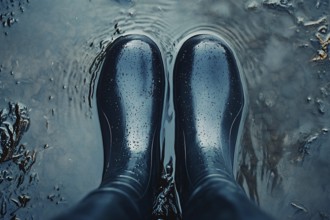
(130,97)
(209,101)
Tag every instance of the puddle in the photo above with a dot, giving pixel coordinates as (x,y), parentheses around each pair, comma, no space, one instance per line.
(50,57)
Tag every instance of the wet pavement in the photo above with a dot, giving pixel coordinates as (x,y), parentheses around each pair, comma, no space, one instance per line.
(50,56)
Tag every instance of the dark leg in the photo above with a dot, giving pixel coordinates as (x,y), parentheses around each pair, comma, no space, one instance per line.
(129,100)
(208,103)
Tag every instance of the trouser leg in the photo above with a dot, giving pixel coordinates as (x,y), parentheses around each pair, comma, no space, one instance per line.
(221,198)
(104,204)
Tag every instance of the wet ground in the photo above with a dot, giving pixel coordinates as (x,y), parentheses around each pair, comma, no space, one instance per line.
(50,55)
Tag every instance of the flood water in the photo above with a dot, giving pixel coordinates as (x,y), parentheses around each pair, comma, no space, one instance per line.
(50,55)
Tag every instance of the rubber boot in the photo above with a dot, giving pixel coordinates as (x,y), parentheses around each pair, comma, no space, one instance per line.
(209,102)
(130,96)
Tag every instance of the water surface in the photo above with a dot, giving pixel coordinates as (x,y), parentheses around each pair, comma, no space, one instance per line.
(50,55)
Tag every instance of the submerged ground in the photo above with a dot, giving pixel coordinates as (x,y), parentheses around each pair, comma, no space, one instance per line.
(50,55)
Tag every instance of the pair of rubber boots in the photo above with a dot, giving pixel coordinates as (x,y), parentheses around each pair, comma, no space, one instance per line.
(208,101)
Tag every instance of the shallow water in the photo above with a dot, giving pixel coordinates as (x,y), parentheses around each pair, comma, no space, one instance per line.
(50,55)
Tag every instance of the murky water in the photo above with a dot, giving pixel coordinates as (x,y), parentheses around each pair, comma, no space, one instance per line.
(50,55)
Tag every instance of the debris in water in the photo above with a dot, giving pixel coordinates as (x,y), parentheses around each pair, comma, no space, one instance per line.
(309,99)
(33,177)
(321,106)
(322,53)
(304,145)
(252,5)
(323,29)
(14,122)
(24,199)
(299,207)
(279,5)
(51,197)
(317,22)
(9,9)
(56,196)
(325,90)
(3,209)
(15,201)
(27,161)
(20,180)
(165,203)
(16,161)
